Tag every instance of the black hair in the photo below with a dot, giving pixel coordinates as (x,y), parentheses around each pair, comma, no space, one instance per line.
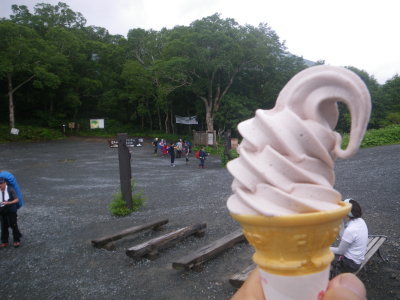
(356,210)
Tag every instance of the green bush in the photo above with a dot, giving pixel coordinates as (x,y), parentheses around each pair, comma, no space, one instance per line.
(118,206)
(29,133)
(225,159)
(383,136)
(378,137)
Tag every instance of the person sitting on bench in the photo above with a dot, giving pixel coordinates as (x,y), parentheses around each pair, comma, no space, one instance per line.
(353,244)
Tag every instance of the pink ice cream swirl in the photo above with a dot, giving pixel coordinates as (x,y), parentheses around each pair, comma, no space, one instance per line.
(286,162)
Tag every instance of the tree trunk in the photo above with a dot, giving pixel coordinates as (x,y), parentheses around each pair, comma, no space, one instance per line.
(227,143)
(11,92)
(75,114)
(166,122)
(208,105)
(11,102)
(190,126)
(209,120)
(149,114)
(159,118)
(51,108)
(212,103)
(172,123)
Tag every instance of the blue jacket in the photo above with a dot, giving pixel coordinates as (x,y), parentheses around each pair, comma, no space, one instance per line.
(203,154)
(12,182)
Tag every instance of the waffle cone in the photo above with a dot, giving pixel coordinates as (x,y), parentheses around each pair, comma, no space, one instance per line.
(293,245)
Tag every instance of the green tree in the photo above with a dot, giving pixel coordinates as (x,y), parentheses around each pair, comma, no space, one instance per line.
(47,16)
(234,109)
(26,58)
(58,58)
(218,51)
(378,109)
(166,73)
(143,47)
(94,87)
(139,88)
(391,100)
(169,75)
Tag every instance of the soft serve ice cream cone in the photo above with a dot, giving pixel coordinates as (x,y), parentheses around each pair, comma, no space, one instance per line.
(283,193)
(292,251)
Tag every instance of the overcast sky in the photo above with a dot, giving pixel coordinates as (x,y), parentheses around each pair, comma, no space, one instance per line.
(360,33)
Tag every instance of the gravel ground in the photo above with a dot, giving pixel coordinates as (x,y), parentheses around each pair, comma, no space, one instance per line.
(68,185)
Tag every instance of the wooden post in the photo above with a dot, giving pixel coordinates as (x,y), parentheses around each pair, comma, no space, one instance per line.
(227,143)
(124,157)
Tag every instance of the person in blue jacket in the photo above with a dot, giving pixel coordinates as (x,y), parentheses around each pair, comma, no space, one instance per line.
(171,152)
(8,214)
(155,145)
(202,157)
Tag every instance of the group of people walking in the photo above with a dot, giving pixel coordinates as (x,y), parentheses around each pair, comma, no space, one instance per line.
(179,149)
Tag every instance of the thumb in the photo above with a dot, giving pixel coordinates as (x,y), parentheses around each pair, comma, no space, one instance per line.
(345,287)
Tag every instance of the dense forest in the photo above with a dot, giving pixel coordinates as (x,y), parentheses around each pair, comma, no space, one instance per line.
(55,69)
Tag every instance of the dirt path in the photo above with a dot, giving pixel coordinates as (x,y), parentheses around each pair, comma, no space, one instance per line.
(68,185)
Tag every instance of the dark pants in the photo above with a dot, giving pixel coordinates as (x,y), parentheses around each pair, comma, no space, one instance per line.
(342,264)
(172,159)
(9,219)
(202,159)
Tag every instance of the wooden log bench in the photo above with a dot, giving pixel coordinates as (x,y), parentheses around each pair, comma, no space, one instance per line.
(106,242)
(196,259)
(374,244)
(150,249)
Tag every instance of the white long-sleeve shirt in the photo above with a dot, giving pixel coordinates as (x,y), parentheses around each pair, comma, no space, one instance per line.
(353,244)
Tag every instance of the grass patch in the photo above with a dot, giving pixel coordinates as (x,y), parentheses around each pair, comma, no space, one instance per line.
(218,151)
(118,206)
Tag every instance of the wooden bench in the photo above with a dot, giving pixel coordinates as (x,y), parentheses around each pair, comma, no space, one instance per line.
(150,248)
(196,259)
(374,244)
(107,241)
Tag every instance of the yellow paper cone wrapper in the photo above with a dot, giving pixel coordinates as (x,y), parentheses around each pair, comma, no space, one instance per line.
(293,245)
